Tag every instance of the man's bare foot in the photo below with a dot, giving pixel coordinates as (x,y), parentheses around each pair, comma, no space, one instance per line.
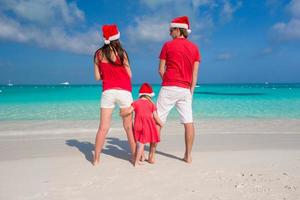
(95,161)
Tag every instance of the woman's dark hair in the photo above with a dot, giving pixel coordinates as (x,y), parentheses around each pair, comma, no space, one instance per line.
(183,32)
(115,47)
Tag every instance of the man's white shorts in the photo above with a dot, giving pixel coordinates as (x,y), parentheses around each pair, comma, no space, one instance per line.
(181,98)
(111,97)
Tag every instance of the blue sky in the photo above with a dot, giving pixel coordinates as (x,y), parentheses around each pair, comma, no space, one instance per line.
(52,41)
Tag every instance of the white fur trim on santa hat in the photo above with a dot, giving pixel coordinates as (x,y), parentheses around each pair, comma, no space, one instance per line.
(181,25)
(149,94)
(111,38)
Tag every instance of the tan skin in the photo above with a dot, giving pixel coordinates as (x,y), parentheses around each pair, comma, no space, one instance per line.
(105,118)
(140,147)
(188,127)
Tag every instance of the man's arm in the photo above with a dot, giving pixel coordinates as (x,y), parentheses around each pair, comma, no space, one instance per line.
(195,76)
(162,67)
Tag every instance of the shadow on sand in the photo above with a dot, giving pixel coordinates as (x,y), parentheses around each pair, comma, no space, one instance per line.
(113,147)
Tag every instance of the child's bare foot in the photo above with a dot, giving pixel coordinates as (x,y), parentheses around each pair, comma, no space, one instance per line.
(151,160)
(143,158)
(137,163)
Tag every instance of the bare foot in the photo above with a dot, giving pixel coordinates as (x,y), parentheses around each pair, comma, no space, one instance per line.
(187,159)
(137,163)
(151,160)
(143,158)
(95,161)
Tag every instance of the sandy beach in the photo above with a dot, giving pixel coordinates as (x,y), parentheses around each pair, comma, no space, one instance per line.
(232,159)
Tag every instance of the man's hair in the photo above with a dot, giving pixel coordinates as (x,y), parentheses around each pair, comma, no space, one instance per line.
(183,32)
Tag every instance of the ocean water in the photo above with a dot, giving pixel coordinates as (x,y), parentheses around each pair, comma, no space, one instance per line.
(82,102)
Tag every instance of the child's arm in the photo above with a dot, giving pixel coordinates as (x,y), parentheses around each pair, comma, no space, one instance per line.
(157,120)
(126,112)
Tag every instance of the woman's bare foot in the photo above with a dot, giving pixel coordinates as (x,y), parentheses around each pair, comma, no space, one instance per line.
(95,160)
(187,159)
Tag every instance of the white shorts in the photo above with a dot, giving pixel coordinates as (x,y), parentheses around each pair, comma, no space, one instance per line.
(181,98)
(111,97)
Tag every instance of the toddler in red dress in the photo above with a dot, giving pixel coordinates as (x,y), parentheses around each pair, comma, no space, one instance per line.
(145,123)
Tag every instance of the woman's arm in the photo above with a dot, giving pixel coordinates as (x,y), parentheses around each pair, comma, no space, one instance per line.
(126,112)
(97,72)
(162,68)
(157,119)
(96,69)
(195,76)
(127,65)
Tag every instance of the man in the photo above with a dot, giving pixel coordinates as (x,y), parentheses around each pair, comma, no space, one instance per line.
(178,68)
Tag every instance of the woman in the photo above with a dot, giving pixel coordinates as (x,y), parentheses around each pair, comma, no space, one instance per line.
(112,67)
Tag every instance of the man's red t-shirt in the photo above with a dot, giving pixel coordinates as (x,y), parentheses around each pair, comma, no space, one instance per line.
(180,55)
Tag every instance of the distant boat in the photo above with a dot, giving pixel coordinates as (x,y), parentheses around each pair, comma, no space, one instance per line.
(65,83)
(266,83)
(197,86)
(9,83)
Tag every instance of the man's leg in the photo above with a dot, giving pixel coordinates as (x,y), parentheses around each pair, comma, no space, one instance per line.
(184,108)
(189,135)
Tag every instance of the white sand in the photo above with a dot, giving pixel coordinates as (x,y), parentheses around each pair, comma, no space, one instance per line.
(232,159)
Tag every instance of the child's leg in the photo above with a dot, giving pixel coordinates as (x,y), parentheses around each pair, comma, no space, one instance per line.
(151,158)
(143,155)
(139,152)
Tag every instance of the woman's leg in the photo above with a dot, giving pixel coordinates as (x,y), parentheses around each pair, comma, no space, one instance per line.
(127,124)
(139,152)
(151,157)
(105,118)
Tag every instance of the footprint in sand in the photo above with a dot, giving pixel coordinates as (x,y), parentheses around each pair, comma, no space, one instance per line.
(290,187)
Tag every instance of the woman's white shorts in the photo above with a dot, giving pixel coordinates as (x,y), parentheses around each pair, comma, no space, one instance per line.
(111,97)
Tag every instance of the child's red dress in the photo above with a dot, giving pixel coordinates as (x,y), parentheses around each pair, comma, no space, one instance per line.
(145,130)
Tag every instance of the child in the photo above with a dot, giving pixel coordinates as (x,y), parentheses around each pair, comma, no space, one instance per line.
(145,123)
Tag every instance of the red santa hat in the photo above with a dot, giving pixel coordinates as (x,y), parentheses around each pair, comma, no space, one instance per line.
(146,89)
(110,33)
(181,22)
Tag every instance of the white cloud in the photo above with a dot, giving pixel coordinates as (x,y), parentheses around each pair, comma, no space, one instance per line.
(294,8)
(289,31)
(224,56)
(49,24)
(44,11)
(149,28)
(154,27)
(228,10)
(155,3)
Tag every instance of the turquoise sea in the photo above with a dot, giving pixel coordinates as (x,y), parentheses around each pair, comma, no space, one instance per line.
(81,102)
